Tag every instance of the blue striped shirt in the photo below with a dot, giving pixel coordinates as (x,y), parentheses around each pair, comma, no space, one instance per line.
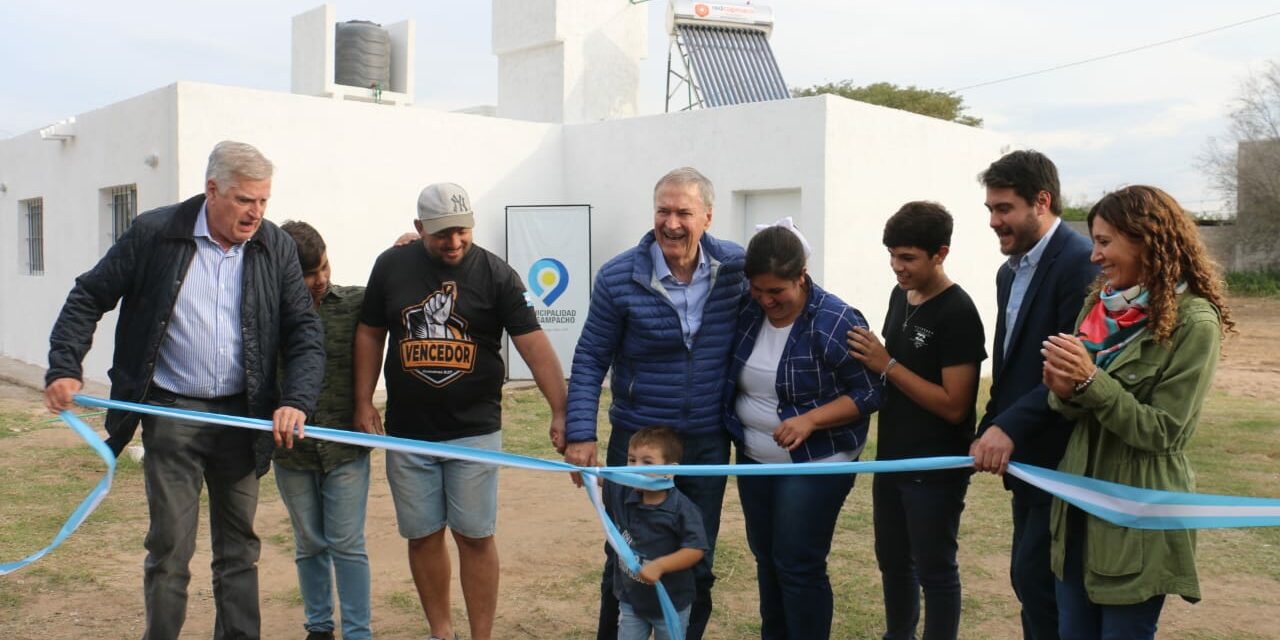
(1024,269)
(201,354)
(689,299)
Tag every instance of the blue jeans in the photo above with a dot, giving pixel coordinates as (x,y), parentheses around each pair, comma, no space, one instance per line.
(790,521)
(917,520)
(635,627)
(327,511)
(708,494)
(1080,619)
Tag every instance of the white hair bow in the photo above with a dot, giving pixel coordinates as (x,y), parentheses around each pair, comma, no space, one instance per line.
(788,224)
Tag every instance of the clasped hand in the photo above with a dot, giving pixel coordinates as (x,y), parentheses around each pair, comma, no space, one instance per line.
(1067,363)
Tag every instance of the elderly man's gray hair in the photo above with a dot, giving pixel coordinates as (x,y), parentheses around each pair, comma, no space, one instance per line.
(688,175)
(232,161)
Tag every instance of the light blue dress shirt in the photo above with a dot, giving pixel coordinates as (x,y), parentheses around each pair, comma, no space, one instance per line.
(201,353)
(1024,269)
(689,299)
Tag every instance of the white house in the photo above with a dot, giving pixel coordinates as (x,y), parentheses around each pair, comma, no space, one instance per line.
(564,132)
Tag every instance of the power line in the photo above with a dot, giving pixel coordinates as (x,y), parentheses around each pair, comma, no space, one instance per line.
(1117,53)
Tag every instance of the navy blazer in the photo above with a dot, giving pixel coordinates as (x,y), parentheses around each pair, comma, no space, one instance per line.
(1019,402)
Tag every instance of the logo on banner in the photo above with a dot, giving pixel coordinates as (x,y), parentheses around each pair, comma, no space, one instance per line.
(548,279)
(437,348)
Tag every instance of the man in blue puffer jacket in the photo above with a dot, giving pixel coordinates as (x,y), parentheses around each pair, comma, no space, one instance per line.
(662,318)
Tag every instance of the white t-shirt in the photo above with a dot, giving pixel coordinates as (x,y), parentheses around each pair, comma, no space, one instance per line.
(757,403)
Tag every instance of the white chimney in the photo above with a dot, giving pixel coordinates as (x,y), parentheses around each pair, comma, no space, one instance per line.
(568,60)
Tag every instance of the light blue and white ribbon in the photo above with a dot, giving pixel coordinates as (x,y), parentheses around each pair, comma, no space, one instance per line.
(90,501)
(1118,504)
(1137,508)
(670,616)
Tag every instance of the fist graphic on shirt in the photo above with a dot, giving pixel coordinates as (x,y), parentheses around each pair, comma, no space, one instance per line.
(436,311)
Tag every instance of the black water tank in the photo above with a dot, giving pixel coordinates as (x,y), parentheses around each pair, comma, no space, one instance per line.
(362,55)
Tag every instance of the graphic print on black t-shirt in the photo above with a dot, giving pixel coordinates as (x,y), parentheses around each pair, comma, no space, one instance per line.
(918,336)
(436,347)
(944,331)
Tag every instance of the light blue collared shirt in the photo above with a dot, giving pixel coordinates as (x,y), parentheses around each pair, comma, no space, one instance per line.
(689,299)
(200,355)
(1024,269)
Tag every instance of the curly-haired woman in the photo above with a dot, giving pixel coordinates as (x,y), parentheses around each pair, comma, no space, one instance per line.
(1134,379)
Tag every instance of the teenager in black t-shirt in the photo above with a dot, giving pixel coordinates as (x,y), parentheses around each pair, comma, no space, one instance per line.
(933,346)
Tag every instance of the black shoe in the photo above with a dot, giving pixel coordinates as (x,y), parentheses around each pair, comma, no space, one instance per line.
(320,635)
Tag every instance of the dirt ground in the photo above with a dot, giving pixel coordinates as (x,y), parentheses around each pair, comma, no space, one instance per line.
(549,543)
(1251,363)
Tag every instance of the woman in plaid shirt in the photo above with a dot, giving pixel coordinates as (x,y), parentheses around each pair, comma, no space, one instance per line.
(794,395)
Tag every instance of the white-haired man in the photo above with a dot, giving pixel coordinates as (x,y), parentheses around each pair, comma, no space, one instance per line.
(662,318)
(213,304)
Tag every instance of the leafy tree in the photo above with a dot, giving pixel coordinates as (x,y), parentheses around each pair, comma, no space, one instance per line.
(943,105)
(1244,167)
(1076,212)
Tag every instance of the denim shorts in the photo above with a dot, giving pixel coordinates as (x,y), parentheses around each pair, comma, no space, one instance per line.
(431,492)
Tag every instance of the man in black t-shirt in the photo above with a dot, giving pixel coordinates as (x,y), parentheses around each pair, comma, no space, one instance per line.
(445,303)
(929,361)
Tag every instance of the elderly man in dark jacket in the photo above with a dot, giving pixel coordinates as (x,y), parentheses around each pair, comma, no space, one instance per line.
(212,296)
(661,319)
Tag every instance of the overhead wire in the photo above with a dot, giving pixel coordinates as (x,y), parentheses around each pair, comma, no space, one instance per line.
(1116,53)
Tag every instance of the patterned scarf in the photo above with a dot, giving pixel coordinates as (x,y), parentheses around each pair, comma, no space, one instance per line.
(1118,318)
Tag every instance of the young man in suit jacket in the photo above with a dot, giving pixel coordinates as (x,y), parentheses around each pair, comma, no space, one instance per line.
(1039,291)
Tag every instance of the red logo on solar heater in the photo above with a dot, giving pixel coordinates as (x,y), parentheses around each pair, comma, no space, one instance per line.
(701,10)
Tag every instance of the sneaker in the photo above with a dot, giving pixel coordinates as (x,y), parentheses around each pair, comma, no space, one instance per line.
(320,635)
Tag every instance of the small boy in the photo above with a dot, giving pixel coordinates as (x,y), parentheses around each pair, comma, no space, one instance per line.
(665,529)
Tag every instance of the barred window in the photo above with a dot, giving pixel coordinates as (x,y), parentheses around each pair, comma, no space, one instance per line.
(32,212)
(123,202)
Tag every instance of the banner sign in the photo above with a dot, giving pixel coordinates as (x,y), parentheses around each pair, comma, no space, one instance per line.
(550,248)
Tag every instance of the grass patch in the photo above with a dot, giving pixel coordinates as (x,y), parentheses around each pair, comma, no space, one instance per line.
(1254,283)
(289,597)
(16,423)
(403,601)
(284,541)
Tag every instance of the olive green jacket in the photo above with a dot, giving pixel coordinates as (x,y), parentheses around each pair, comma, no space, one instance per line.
(335,409)
(1132,427)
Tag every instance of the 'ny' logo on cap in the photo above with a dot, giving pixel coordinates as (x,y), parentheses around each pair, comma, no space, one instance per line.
(459,203)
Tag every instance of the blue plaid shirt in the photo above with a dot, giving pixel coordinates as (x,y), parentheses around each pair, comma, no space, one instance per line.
(816,368)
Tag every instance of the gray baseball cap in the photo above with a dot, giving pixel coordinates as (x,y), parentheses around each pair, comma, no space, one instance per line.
(444,205)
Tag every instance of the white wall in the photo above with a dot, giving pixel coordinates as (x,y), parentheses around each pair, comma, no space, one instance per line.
(354,170)
(877,160)
(613,165)
(108,150)
(848,165)
(351,169)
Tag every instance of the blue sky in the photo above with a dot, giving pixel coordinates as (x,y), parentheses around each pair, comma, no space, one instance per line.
(1140,117)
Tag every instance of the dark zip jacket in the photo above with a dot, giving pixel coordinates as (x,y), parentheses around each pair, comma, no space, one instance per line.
(144,271)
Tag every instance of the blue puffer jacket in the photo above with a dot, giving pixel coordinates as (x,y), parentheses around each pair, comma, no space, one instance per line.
(632,327)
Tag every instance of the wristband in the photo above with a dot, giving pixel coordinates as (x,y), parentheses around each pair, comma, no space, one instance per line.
(1083,385)
(884,375)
